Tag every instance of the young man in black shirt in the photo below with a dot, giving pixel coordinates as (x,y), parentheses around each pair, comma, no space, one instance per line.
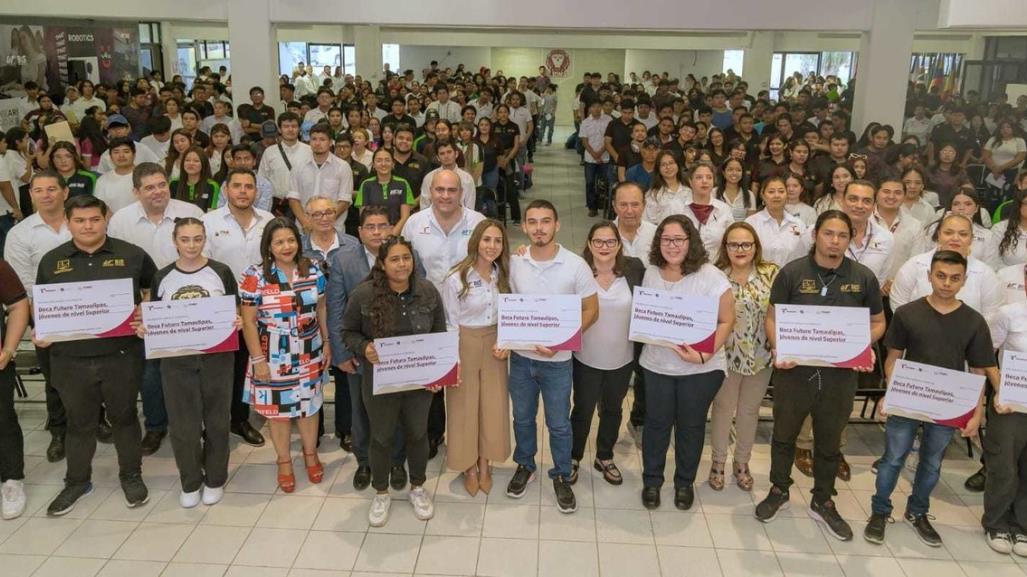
(826,277)
(941,331)
(97,372)
(255,113)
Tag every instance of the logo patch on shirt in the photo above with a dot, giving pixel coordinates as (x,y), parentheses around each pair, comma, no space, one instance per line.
(808,286)
(851,288)
(63,265)
(113,262)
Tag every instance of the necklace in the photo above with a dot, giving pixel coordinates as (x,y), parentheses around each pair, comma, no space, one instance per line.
(823,289)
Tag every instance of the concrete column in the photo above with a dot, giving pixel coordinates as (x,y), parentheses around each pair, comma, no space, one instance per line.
(758,57)
(367,44)
(254,51)
(169,50)
(883,66)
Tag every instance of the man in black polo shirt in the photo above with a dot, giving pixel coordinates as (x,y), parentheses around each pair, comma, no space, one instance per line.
(618,131)
(92,373)
(826,277)
(399,116)
(254,113)
(410,164)
(955,132)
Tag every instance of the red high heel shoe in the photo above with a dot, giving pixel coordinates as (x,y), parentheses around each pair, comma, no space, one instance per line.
(286,482)
(314,472)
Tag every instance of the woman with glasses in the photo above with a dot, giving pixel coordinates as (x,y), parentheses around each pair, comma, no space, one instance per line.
(747,350)
(917,202)
(680,381)
(603,366)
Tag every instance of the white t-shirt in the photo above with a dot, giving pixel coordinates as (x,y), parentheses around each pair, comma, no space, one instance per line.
(659,204)
(605,344)
(115,189)
(1003,151)
(142,154)
(566,273)
(708,281)
(5,176)
(159,148)
(592,131)
(468,192)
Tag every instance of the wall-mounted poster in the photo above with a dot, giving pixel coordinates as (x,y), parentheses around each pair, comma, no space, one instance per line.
(558,62)
(22,56)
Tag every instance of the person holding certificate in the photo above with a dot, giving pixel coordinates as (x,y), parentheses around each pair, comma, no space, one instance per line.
(102,371)
(746,349)
(393,302)
(680,381)
(478,411)
(197,388)
(941,331)
(284,325)
(12,446)
(546,268)
(1005,487)
(825,277)
(603,366)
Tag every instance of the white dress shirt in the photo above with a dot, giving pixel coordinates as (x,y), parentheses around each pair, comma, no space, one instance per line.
(713,231)
(274,168)
(478,308)
(26,244)
(1009,327)
(783,241)
(131,224)
(1016,253)
(437,250)
(229,243)
(332,180)
(1012,279)
(983,291)
(468,192)
(234,128)
(659,204)
(876,252)
(640,246)
(905,231)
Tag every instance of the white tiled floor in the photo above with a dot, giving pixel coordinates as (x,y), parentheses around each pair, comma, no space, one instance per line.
(321,530)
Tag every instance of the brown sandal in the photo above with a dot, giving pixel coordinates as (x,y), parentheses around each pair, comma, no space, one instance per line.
(716,479)
(742,476)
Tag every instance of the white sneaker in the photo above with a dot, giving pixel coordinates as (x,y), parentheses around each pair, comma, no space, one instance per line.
(212,495)
(999,541)
(423,508)
(13,498)
(189,500)
(378,515)
(1019,544)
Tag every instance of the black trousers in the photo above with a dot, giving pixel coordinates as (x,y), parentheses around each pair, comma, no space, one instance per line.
(198,394)
(638,404)
(604,389)
(12,443)
(437,416)
(56,416)
(824,393)
(88,383)
(240,410)
(1005,487)
(385,412)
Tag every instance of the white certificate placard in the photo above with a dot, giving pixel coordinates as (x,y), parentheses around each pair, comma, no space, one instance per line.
(932,394)
(416,362)
(75,311)
(177,328)
(553,321)
(672,319)
(823,336)
(1012,389)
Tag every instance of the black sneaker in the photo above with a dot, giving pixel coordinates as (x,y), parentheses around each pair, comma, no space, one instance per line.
(346,443)
(922,526)
(975,483)
(65,501)
(776,500)
(362,478)
(575,465)
(874,466)
(247,433)
(55,452)
(684,497)
(398,478)
(136,493)
(565,501)
(433,447)
(519,483)
(833,522)
(876,525)
(151,442)
(104,433)
(651,497)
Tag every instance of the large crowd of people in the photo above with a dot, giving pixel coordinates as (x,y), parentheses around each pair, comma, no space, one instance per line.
(360,211)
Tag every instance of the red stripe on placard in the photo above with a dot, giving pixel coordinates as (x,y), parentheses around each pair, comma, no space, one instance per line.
(959,422)
(447,380)
(862,360)
(706,345)
(123,330)
(571,344)
(228,345)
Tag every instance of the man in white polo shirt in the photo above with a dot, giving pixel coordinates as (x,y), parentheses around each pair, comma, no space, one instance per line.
(148,223)
(278,160)
(323,174)
(447,153)
(439,235)
(233,238)
(546,268)
(445,107)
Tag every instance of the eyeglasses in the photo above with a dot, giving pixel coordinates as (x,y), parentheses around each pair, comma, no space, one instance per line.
(607,242)
(855,156)
(323,214)
(676,241)
(740,246)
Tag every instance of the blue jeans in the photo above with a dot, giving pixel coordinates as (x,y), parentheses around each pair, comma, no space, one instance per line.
(528,378)
(490,179)
(360,427)
(899,433)
(545,128)
(155,414)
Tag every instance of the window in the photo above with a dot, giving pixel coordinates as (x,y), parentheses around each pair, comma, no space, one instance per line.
(733,60)
(785,64)
(290,54)
(836,64)
(349,59)
(390,56)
